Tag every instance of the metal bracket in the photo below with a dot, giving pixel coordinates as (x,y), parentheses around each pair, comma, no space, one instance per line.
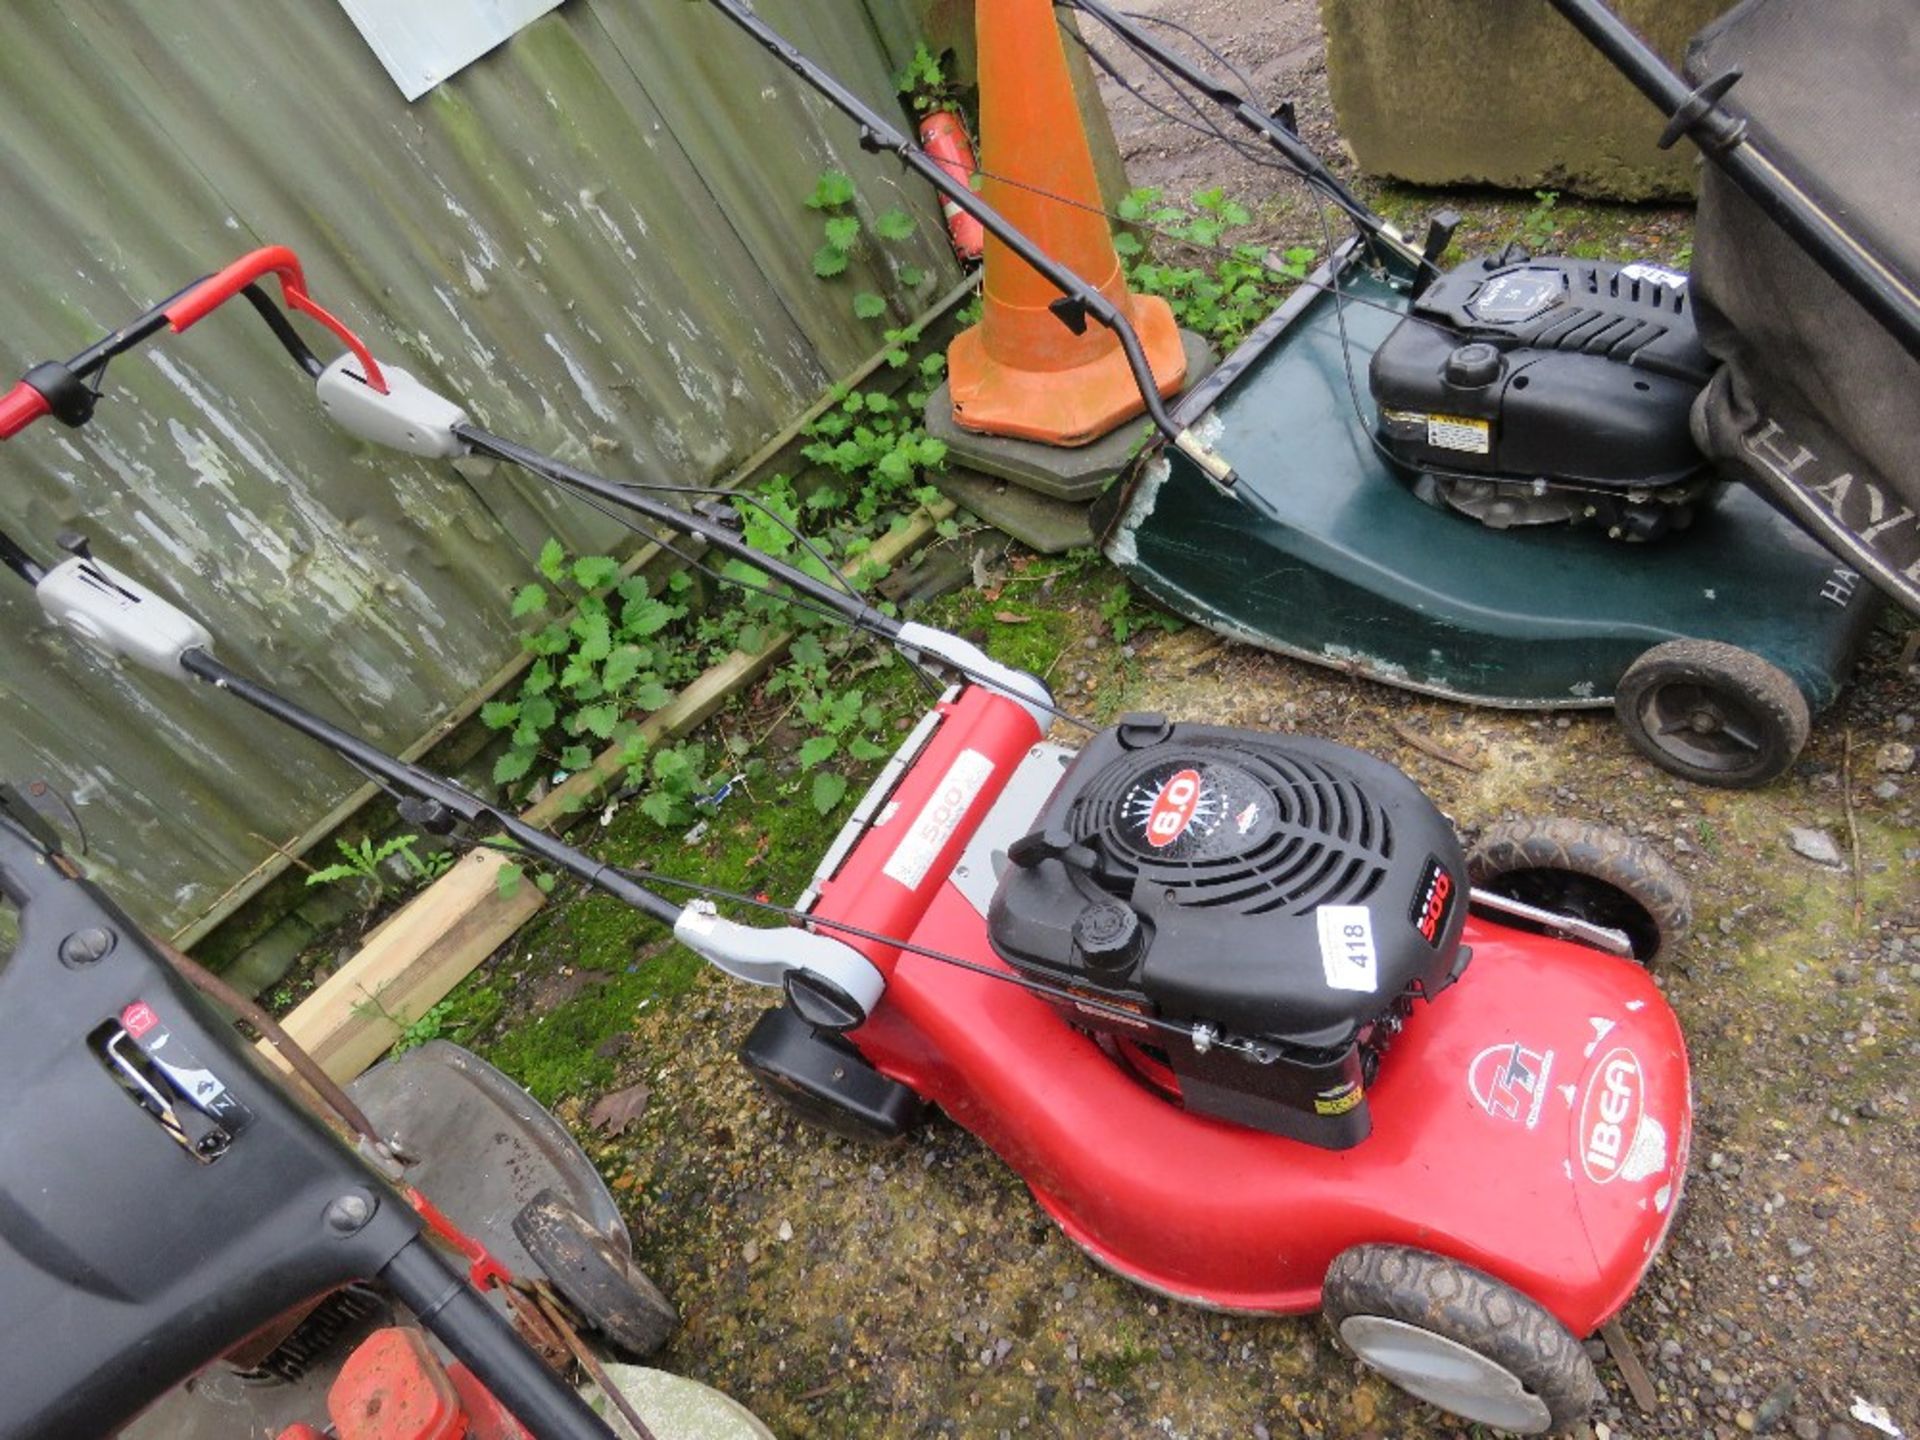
(770,956)
(1027,691)
(1582,932)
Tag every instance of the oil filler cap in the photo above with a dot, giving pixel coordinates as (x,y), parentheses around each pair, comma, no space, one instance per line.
(1473,366)
(1108,937)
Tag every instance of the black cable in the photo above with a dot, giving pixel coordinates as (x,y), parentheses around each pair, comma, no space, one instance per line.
(806,918)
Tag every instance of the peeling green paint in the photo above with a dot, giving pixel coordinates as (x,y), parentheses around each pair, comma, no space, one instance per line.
(592,235)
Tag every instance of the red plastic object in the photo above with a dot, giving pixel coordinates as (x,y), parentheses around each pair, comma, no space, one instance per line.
(482,1268)
(1533,1121)
(944,138)
(392,1388)
(276,260)
(19,408)
(300,1432)
(487,1418)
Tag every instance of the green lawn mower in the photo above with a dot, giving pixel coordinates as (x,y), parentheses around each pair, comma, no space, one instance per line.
(1516,483)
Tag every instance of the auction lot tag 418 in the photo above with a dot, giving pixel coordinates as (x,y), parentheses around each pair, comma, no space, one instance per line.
(1346,947)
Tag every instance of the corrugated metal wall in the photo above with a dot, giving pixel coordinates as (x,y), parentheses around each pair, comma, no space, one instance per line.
(593,235)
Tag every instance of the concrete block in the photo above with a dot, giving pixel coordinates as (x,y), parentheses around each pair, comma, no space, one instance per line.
(1498,92)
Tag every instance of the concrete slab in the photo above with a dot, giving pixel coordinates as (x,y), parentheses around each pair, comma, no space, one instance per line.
(1489,92)
(1075,474)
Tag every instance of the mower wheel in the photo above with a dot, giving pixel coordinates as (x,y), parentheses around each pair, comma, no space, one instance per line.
(1587,871)
(602,1285)
(1459,1339)
(1713,713)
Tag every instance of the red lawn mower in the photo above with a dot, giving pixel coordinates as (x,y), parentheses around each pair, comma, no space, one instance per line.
(1236,1005)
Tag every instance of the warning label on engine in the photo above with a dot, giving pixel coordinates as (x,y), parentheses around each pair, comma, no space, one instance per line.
(1346,947)
(938,819)
(1457,432)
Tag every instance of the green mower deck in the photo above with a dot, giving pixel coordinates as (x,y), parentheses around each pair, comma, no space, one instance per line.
(1355,572)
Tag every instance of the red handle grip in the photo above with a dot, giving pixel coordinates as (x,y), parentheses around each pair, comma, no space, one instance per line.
(19,408)
(280,262)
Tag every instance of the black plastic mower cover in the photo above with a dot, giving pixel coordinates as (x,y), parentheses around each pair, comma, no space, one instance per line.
(1818,405)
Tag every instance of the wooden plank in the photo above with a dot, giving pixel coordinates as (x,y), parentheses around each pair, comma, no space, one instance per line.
(420,953)
(409,966)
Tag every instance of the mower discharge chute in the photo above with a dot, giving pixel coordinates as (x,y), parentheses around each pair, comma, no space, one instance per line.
(1426,477)
(1231,1003)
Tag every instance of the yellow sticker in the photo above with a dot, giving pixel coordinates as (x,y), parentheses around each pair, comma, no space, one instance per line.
(1459,432)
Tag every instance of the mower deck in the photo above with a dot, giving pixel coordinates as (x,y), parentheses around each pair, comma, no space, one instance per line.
(1359,574)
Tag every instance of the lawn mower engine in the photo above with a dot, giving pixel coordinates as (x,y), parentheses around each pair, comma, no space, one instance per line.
(1549,391)
(1286,898)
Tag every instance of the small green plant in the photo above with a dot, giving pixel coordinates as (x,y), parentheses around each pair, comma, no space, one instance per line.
(1541,224)
(593,670)
(1127,617)
(924,82)
(841,237)
(428,1027)
(367,861)
(1228,287)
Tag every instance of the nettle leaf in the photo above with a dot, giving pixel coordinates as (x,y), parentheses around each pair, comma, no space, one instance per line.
(499,714)
(553,560)
(539,679)
(648,617)
(652,696)
(828,789)
(663,809)
(576,757)
(512,765)
(829,261)
(808,651)
(672,767)
(578,675)
(895,224)
(506,881)
(552,640)
(817,750)
(912,276)
(590,572)
(527,737)
(895,466)
(598,720)
(832,189)
(538,711)
(596,638)
(864,749)
(622,668)
(841,231)
(869,306)
(529,599)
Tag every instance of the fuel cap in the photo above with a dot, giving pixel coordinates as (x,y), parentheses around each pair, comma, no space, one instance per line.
(1473,365)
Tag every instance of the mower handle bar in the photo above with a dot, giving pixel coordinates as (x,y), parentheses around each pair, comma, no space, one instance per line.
(66,390)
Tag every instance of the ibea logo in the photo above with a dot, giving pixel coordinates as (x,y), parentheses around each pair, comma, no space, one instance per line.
(1173,808)
(1610,1114)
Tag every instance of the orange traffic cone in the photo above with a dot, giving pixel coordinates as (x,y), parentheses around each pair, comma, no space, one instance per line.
(1020,371)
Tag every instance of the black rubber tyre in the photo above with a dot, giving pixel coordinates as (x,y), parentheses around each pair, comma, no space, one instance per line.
(1589,871)
(605,1288)
(1713,713)
(1401,1302)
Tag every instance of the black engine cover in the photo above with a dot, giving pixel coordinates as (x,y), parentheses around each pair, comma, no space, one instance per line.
(1291,893)
(1576,371)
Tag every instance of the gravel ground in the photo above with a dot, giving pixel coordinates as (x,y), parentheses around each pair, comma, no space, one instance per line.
(918,1291)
